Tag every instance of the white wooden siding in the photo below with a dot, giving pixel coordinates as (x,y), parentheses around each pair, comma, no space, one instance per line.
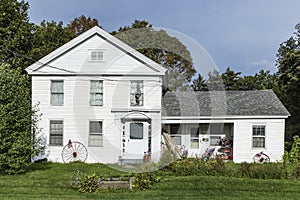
(78,61)
(76,112)
(274,140)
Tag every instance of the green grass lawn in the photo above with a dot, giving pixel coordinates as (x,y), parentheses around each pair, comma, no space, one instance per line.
(53,181)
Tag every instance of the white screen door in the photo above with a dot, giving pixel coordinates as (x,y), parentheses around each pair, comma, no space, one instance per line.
(136,139)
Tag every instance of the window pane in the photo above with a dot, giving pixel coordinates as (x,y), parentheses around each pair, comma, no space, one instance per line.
(204,128)
(136,130)
(57,99)
(195,143)
(95,135)
(57,93)
(96,87)
(174,128)
(136,99)
(177,139)
(57,87)
(96,140)
(97,55)
(56,132)
(136,86)
(96,93)
(194,132)
(259,142)
(96,100)
(96,127)
(136,93)
(259,130)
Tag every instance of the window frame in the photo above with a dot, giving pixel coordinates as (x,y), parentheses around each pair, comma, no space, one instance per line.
(97,55)
(259,135)
(133,95)
(51,132)
(91,93)
(52,93)
(96,134)
(194,134)
(175,133)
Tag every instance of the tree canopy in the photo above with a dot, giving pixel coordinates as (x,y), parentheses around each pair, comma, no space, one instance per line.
(288,62)
(16,33)
(16,122)
(163,49)
(82,24)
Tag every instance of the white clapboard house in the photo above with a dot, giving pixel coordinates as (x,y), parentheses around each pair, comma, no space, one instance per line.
(104,94)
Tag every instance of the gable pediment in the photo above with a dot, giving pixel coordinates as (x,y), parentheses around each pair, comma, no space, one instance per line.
(75,58)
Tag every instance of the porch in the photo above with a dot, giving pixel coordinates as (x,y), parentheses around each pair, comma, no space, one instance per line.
(198,138)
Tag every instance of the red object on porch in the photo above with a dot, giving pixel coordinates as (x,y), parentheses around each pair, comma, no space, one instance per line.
(147,156)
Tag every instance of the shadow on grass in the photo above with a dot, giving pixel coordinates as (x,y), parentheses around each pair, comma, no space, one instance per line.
(38,166)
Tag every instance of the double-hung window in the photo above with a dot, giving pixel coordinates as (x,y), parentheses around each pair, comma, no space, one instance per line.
(136,93)
(258,136)
(96,93)
(175,133)
(56,132)
(195,138)
(57,93)
(96,135)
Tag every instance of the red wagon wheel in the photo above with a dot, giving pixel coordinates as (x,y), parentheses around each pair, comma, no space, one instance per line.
(74,151)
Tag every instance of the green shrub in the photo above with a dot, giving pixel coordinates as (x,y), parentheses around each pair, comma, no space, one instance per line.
(89,184)
(144,181)
(245,169)
(18,121)
(217,167)
(263,171)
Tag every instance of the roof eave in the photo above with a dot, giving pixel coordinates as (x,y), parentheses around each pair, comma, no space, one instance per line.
(225,117)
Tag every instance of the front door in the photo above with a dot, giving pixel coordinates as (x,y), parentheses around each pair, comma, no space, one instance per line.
(136,139)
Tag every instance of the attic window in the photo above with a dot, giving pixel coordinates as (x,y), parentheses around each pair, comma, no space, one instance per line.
(97,55)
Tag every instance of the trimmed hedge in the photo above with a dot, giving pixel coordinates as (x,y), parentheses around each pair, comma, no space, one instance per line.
(217,167)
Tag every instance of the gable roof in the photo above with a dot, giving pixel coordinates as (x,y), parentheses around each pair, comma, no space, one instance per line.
(95,31)
(223,103)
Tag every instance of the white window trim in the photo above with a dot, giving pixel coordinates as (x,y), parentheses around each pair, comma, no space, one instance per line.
(195,138)
(95,120)
(91,51)
(49,131)
(62,93)
(102,93)
(143,93)
(258,136)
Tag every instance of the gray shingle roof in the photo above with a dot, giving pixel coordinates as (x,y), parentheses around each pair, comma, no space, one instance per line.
(223,103)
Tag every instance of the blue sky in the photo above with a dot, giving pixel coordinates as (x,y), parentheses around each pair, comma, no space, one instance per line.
(242,34)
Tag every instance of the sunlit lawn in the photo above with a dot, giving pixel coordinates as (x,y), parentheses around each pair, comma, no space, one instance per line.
(53,181)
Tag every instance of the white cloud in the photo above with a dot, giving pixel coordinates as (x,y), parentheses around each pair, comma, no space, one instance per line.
(263,64)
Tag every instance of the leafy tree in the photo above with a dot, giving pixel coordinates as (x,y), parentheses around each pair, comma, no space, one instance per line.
(48,36)
(16,124)
(230,79)
(199,84)
(262,80)
(288,63)
(247,83)
(82,24)
(15,33)
(265,80)
(163,49)
(215,81)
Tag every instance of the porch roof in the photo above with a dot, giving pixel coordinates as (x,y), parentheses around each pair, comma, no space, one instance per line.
(222,103)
